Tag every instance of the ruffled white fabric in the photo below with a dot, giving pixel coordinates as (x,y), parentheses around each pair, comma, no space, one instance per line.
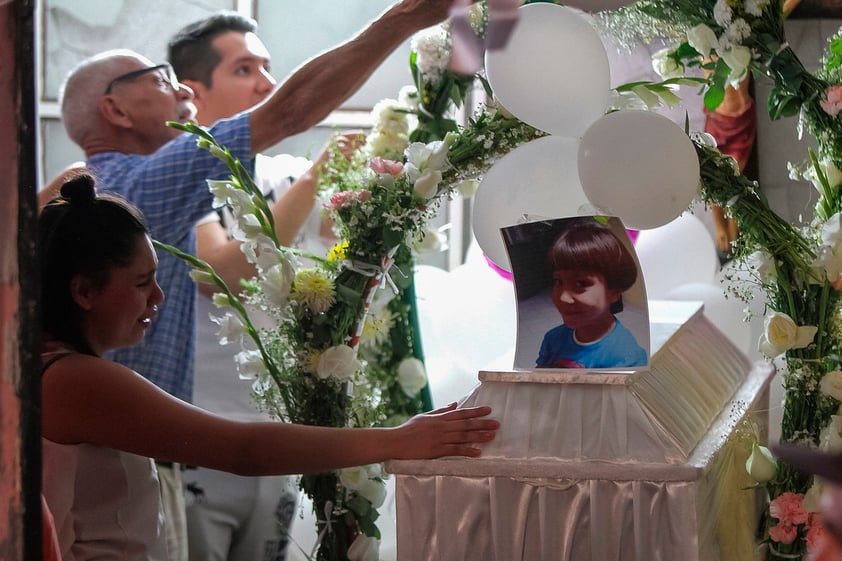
(595,466)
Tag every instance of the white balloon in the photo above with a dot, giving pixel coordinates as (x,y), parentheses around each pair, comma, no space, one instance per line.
(598,5)
(725,313)
(553,73)
(539,179)
(678,253)
(640,166)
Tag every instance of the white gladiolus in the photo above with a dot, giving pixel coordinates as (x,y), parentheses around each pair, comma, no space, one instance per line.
(247,227)
(277,282)
(764,265)
(231,328)
(221,191)
(250,364)
(339,361)
(201,277)
(221,300)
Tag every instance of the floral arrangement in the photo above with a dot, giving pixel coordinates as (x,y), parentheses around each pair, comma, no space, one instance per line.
(797,267)
(327,354)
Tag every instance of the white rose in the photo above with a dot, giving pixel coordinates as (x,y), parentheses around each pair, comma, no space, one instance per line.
(364,548)
(429,240)
(782,334)
(277,282)
(249,365)
(374,491)
(831,384)
(703,39)
(339,362)
(666,66)
(353,477)
(737,58)
(760,465)
(467,187)
(412,376)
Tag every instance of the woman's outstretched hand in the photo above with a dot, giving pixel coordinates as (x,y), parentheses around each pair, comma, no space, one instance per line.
(446,431)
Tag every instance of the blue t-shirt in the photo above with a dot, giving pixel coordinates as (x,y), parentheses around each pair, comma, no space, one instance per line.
(618,349)
(170,187)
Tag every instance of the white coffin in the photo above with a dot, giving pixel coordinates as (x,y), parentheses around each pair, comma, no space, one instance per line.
(596,466)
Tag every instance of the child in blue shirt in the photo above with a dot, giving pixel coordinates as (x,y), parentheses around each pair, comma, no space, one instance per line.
(591,270)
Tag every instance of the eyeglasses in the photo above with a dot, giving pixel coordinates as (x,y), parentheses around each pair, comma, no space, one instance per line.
(168,76)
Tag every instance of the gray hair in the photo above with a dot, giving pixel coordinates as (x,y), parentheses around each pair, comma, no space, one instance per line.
(84,86)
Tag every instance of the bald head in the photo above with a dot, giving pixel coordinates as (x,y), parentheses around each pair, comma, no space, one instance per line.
(132,116)
(83,88)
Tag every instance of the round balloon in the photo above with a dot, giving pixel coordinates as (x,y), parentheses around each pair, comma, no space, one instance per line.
(553,73)
(675,254)
(640,166)
(536,180)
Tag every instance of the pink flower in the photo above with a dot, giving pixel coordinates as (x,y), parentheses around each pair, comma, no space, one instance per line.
(789,509)
(815,531)
(783,533)
(391,167)
(832,102)
(345,199)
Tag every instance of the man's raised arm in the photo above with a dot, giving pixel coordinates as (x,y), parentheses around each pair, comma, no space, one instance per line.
(323,83)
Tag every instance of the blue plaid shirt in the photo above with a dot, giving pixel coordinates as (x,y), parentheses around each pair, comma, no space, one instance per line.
(170,187)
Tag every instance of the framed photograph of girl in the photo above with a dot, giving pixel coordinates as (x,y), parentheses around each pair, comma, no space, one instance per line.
(581,299)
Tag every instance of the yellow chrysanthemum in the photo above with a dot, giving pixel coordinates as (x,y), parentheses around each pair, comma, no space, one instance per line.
(337,252)
(314,289)
(310,361)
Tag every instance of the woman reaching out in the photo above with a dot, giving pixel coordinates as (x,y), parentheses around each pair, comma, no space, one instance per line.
(102,422)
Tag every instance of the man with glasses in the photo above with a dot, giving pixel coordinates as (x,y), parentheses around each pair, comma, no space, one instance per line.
(115,105)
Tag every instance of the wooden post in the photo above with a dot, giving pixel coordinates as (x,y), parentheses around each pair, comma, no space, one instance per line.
(20,458)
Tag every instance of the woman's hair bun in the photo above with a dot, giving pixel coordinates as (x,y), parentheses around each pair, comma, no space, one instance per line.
(80,189)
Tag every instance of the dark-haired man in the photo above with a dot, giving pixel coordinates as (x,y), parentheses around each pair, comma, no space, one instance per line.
(227,67)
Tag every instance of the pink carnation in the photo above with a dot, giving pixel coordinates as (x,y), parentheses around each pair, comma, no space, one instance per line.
(832,101)
(815,532)
(345,199)
(783,533)
(789,509)
(391,167)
